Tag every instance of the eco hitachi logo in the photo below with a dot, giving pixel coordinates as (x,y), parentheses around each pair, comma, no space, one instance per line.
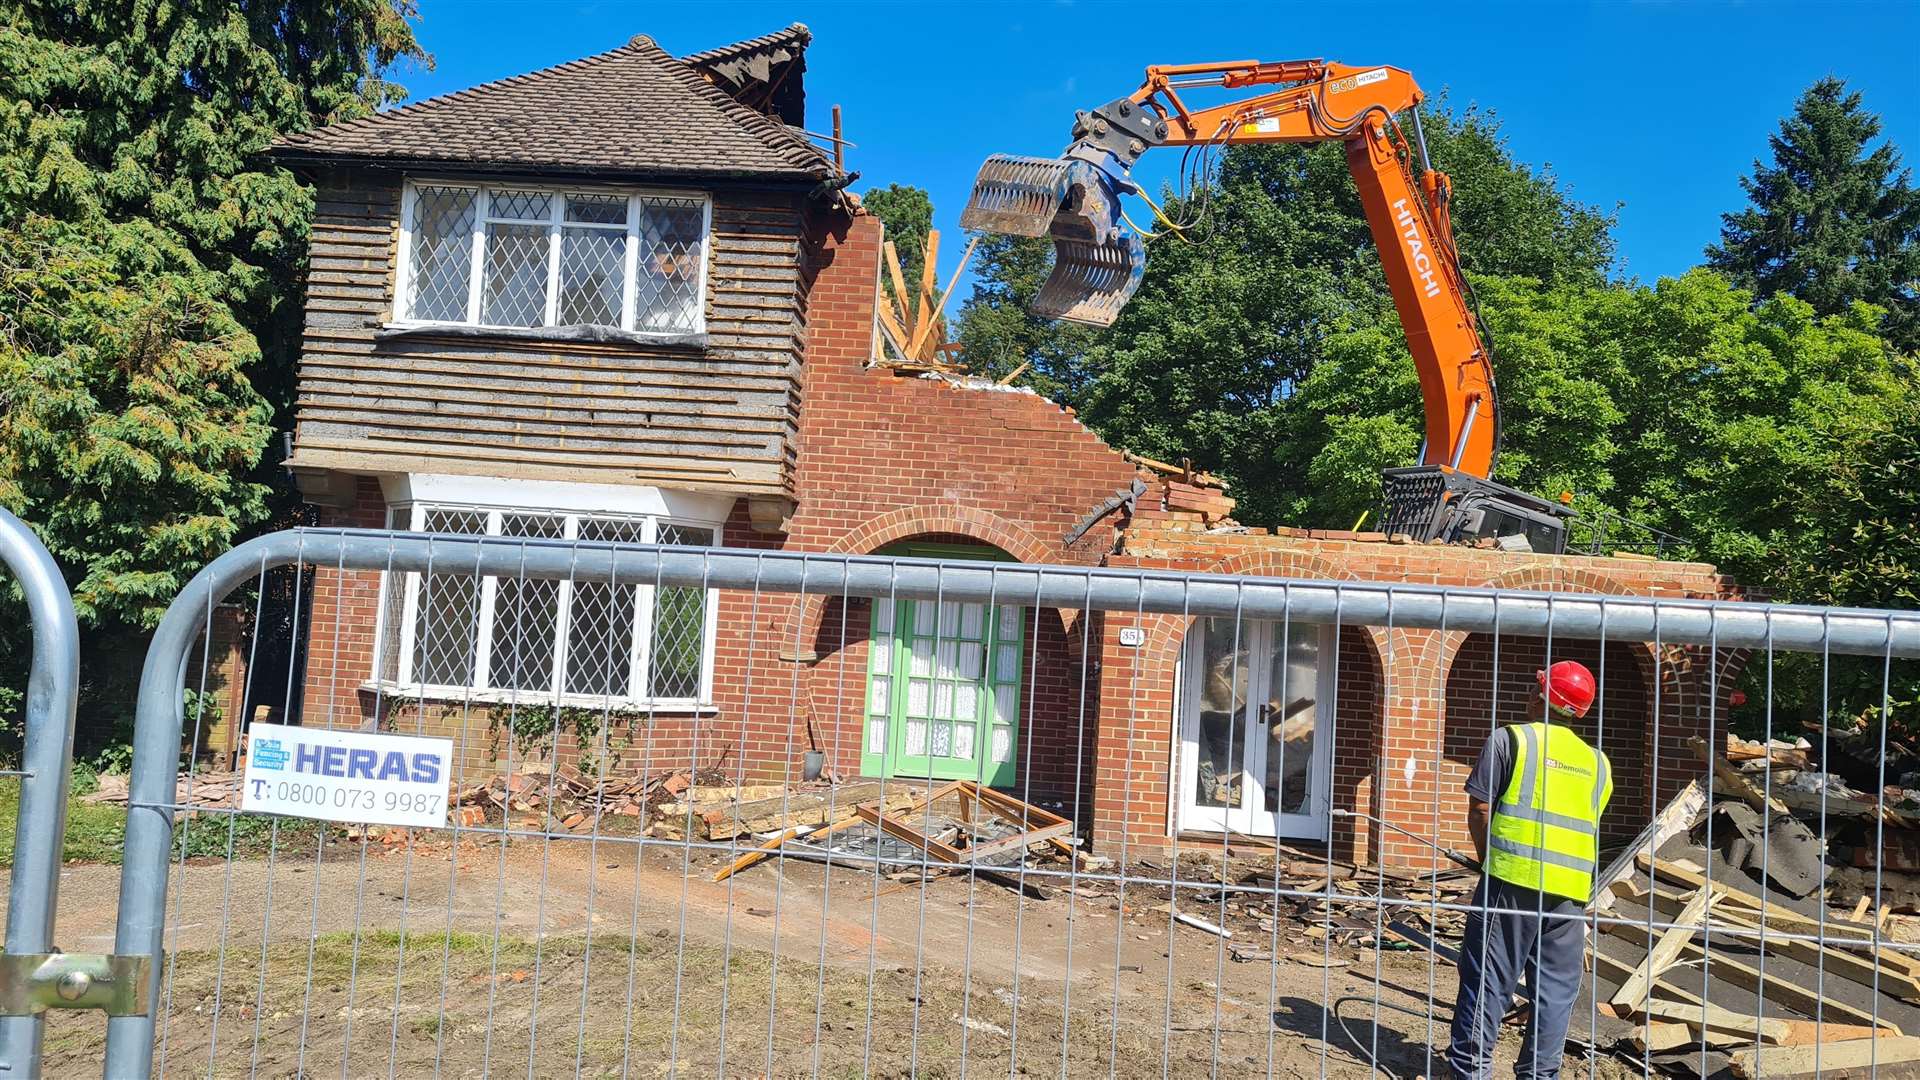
(1416,248)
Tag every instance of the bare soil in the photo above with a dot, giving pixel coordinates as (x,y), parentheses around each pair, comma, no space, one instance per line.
(571,958)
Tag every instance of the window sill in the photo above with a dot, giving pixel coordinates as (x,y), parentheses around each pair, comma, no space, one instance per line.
(456,695)
(580,333)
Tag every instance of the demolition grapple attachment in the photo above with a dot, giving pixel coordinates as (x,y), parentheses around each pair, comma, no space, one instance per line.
(1097,260)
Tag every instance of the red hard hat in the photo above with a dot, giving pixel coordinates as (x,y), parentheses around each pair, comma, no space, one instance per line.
(1568,685)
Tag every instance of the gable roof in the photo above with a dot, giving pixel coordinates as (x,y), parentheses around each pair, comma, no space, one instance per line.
(632,111)
(767,73)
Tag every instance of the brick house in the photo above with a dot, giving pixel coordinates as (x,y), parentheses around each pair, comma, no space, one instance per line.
(623,299)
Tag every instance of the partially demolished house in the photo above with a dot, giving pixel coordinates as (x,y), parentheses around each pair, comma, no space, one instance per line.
(626,299)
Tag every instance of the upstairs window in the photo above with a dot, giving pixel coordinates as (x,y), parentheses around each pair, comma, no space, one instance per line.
(525,257)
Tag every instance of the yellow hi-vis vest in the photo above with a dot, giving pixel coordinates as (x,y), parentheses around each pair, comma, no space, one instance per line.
(1545,830)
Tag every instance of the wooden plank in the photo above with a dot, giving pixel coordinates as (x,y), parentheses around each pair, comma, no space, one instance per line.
(1733,781)
(895,332)
(1826,1057)
(1659,1037)
(923,299)
(1837,957)
(1667,949)
(1687,874)
(899,286)
(1619,971)
(923,335)
(1678,814)
(1019,840)
(936,850)
(1704,1015)
(1771,986)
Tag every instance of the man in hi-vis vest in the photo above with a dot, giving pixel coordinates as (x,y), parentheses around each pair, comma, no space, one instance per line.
(1534,804)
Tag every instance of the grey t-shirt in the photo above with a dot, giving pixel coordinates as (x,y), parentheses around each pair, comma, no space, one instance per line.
(1494,769)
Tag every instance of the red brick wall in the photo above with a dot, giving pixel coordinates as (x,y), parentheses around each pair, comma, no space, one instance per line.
(886,458)
(1407,698)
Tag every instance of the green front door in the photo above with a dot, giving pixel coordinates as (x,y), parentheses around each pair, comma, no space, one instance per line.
(943,689)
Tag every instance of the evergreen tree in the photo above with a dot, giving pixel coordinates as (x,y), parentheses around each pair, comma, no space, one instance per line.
(150,266)
(1834,220)
(907,214)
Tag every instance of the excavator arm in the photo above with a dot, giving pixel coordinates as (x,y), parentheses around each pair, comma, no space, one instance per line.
(1099,259)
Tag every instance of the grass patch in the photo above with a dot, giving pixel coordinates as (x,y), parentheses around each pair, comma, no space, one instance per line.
(97,832)
(468,1004)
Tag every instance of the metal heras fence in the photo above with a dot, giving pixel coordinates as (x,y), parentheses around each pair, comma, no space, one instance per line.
(713,811)
(27,982)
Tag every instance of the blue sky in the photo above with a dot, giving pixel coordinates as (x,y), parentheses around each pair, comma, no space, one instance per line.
(1658,106)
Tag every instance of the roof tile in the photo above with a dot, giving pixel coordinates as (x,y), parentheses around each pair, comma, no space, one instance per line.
(633,110)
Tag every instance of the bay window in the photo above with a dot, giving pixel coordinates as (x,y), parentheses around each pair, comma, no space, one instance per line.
(498,256)
(457,636)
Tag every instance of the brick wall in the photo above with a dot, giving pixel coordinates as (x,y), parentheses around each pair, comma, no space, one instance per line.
(1413,706)
(886,458)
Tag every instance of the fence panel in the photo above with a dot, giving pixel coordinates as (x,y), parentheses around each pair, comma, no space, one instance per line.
(46,763)
(719,811)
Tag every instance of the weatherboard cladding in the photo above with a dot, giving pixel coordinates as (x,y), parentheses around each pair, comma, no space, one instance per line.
(633,111)
(720,418)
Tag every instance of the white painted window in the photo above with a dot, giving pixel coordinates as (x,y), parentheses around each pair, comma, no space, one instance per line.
(453,635)
(500,256)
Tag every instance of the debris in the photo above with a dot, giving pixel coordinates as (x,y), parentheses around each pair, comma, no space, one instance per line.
(994,833)
(1200,924)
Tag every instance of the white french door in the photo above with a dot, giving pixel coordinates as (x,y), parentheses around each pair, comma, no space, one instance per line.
(1256,742)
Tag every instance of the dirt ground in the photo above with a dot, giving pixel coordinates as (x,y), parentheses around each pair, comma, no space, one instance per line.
(567,958)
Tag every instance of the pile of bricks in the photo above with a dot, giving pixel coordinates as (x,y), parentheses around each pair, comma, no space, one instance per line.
(563,795)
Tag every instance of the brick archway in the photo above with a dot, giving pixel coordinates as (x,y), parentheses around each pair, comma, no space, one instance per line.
(1140,716)
(832,654)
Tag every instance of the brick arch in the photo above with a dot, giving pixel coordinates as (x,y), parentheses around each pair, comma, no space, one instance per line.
(1167,636)
(1662,684)
(821,691)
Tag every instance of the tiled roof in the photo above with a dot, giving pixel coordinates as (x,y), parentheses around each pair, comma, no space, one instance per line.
(796,35)
(632,111)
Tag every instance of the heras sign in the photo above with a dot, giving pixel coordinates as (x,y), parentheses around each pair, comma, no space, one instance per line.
(355,776)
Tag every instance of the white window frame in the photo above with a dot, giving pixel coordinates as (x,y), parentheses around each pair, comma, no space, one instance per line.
(414,515)
(556,225)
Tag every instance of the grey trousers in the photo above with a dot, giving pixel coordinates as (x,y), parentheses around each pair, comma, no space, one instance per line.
(1499,946)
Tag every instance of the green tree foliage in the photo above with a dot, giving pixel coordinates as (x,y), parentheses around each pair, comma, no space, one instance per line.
(907,214)
(1834,220)
(150,267)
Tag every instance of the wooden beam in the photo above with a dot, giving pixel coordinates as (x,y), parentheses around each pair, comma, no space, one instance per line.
(1734,781)
(1787,994)
(936,850)
(923,333)
(1620,971)
(1019,840)
(1684,873)
(1660,1036)
(899,286)
(923,301)
(1677,815)
(1715,1018)
(853,818)
(1836,956)
(1826,1057)
(1667,949)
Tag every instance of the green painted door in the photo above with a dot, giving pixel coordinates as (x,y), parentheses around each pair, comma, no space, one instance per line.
(943,688)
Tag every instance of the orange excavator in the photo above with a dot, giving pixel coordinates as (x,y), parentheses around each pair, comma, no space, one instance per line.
(1099,257)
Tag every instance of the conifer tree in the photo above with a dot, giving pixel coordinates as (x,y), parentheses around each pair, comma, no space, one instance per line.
(1833,220)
